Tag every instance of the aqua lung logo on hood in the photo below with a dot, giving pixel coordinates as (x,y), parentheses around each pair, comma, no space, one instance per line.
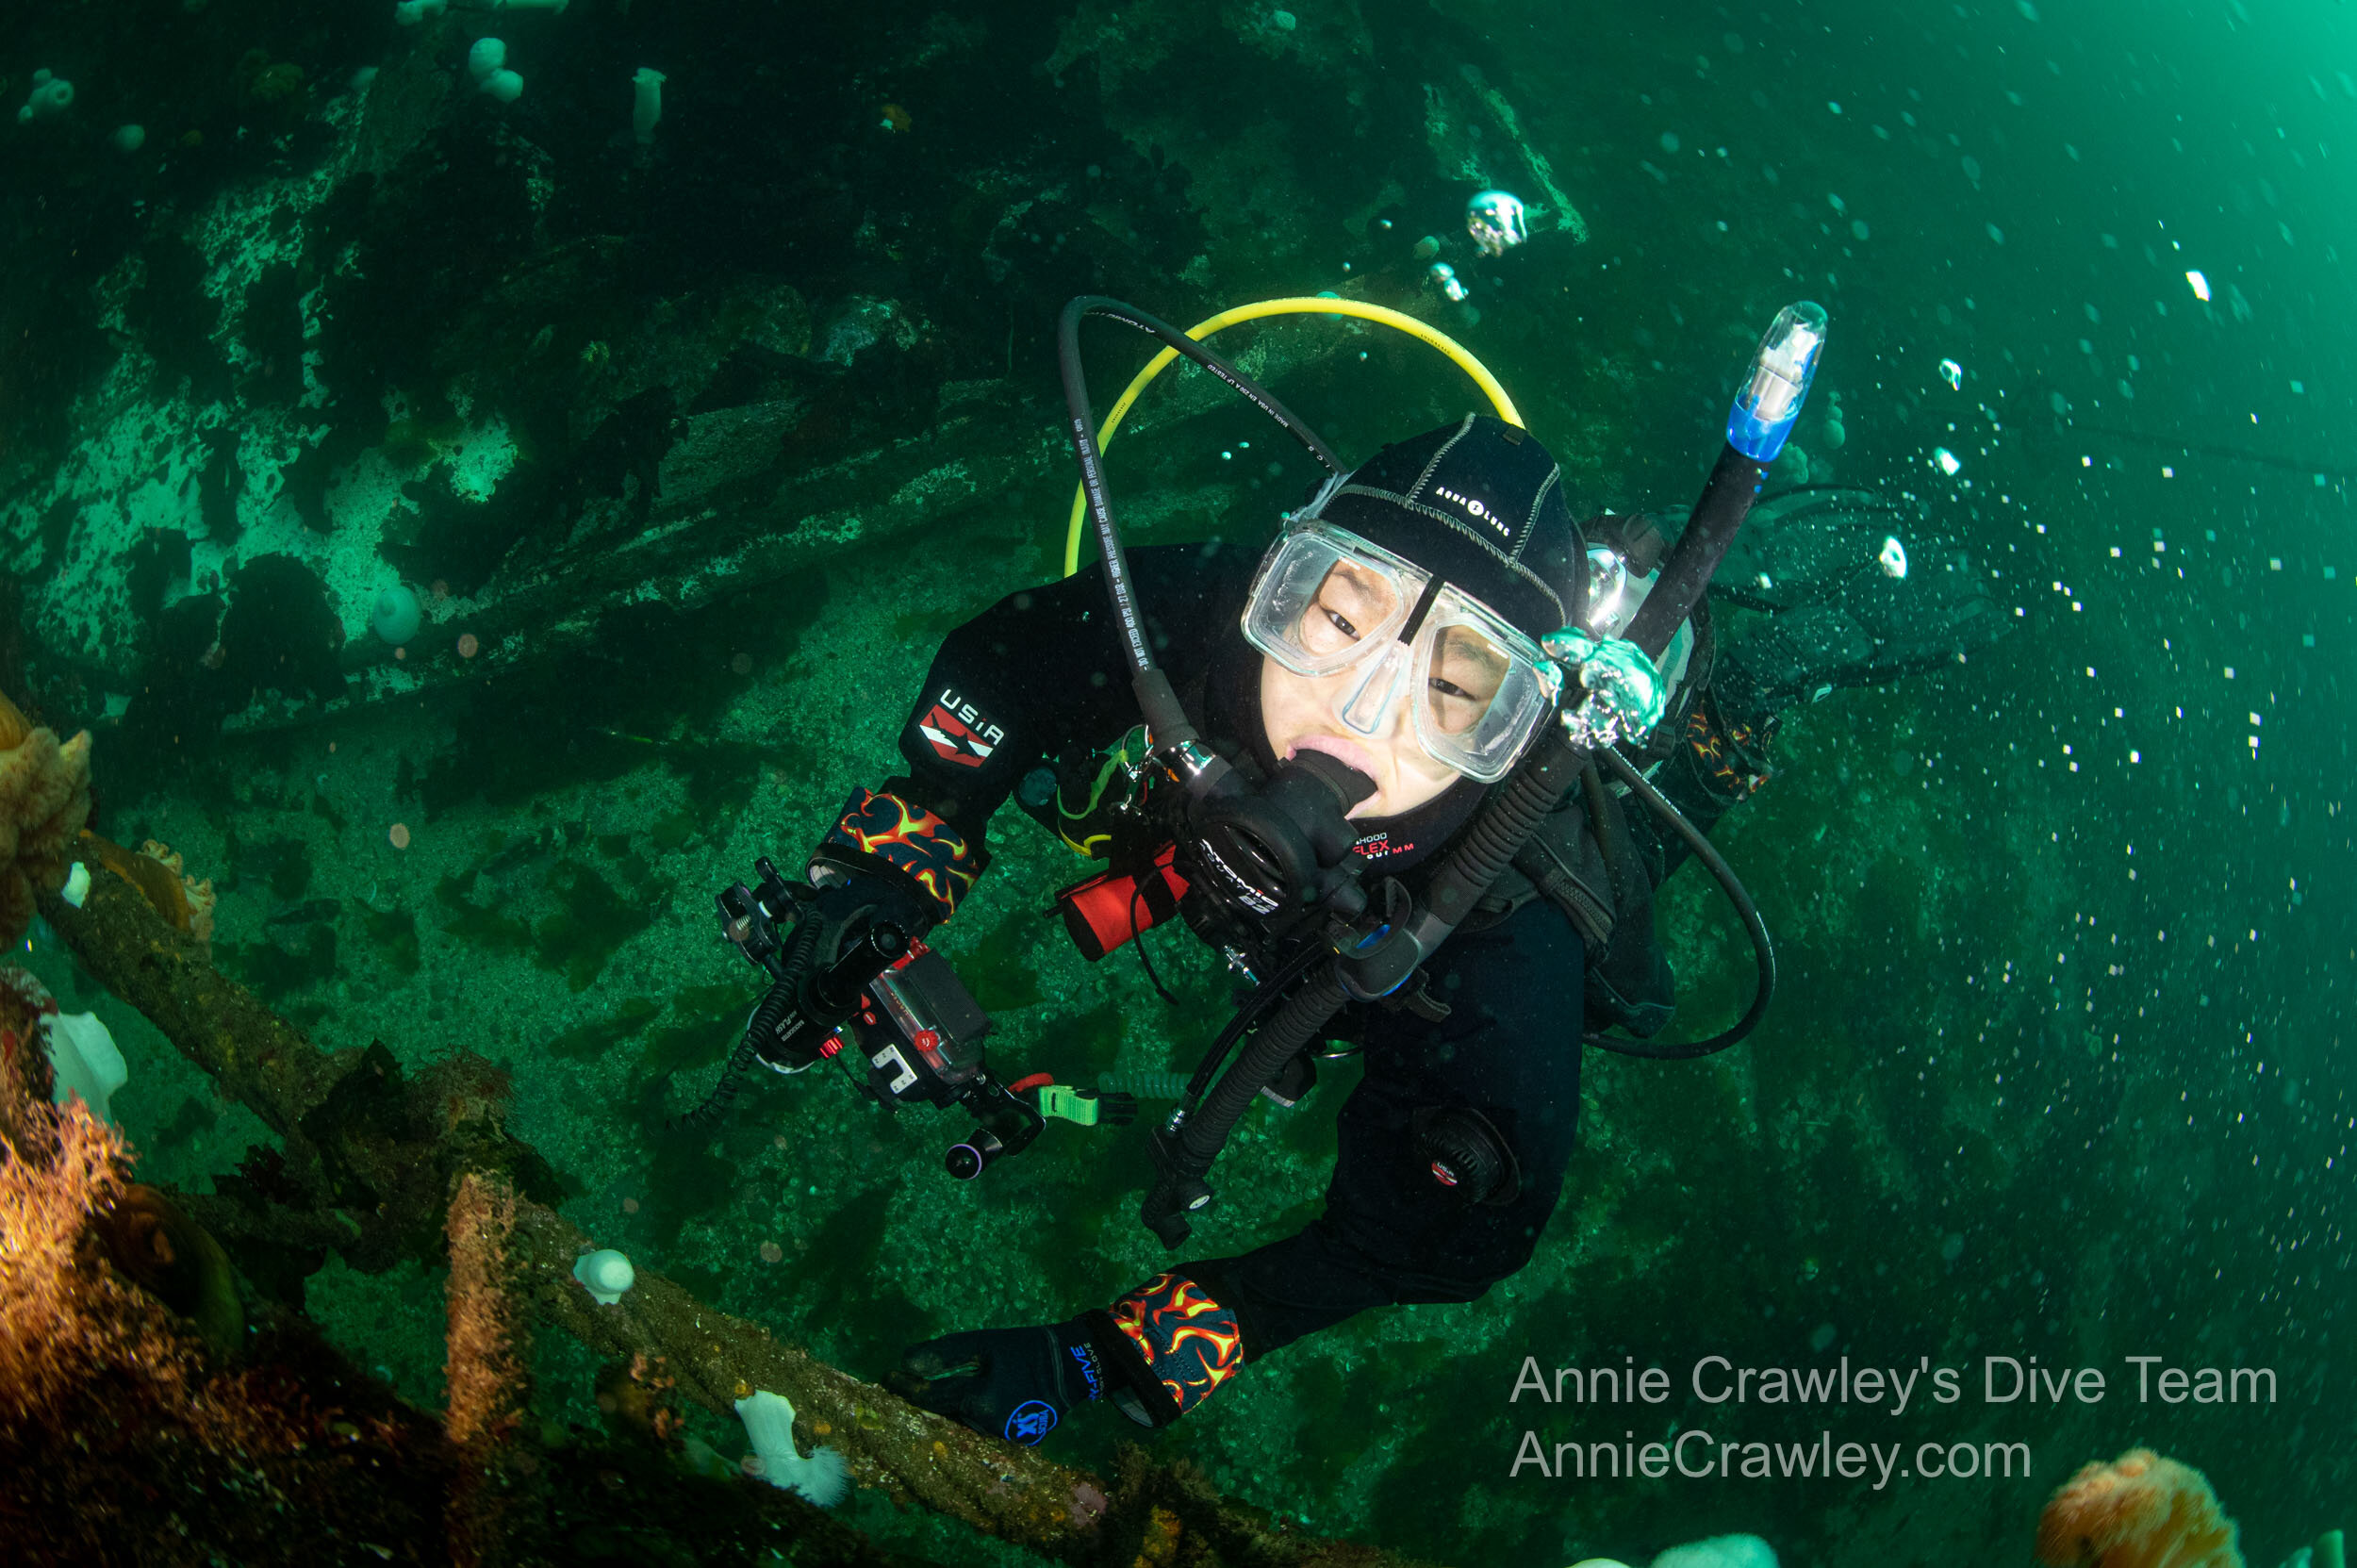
(1478,510)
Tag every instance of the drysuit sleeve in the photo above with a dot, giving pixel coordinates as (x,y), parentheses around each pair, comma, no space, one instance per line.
(1392,1233)
(1043,668)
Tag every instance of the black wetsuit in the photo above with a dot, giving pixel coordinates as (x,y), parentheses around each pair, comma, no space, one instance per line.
(1041,675)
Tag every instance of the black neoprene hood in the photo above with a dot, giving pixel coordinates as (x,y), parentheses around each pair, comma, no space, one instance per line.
(1480,502)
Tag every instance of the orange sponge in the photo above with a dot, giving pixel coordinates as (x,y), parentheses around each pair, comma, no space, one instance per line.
(44,800)
(2140,1511)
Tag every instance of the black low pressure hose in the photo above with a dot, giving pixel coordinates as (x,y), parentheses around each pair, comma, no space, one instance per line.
(1184,1158)
(1165,717)
(1762,948)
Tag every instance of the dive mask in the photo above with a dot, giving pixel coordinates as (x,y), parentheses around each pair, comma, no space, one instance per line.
(1327,604)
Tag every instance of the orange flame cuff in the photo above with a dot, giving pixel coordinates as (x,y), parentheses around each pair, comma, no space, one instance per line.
(911,840)
(1190,1342)
(1731,759)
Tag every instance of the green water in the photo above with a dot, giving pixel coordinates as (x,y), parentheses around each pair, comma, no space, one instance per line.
(2056,1068)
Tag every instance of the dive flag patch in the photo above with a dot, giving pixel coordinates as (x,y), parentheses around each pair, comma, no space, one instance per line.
(957,732)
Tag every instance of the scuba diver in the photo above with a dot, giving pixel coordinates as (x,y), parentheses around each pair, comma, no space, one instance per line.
(1364,690)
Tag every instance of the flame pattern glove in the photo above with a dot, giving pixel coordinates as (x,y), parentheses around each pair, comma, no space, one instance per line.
(1185,1340)
(889,859)
(1156,1354)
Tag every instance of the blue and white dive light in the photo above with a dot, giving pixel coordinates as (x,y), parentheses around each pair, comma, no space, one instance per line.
(1772,394)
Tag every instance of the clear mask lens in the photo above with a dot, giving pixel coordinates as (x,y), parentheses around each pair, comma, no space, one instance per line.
(1352,603)
(1328,604)
(1482,695)
(1322,601)
(1469,670)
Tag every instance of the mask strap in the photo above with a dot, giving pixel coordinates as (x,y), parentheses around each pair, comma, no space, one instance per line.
(1432,588)
(1316,508)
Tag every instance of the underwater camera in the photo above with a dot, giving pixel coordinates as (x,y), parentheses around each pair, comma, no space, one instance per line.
(888,1000)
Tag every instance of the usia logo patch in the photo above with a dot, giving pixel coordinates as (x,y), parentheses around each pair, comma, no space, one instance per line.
(959,732)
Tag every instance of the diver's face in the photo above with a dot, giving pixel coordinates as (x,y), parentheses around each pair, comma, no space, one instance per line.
(1299,713)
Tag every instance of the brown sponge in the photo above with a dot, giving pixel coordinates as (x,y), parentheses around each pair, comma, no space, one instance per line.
(44,800)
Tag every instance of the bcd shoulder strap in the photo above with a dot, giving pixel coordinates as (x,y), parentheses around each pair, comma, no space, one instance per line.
(1584,862)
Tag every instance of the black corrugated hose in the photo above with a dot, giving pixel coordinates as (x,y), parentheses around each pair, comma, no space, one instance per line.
(766,1018)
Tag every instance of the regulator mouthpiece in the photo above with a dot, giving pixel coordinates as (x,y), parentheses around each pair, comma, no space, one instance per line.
(1778,383)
